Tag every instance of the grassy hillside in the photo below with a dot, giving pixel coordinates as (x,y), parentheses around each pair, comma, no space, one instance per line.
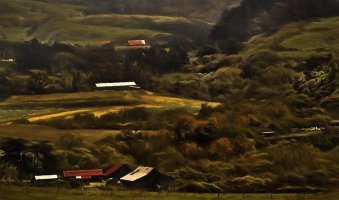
(299,39)
(267,16)
(297,65)
(206,10)
(50,21)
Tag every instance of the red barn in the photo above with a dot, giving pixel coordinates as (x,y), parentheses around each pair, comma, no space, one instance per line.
(136,42)
(93,175)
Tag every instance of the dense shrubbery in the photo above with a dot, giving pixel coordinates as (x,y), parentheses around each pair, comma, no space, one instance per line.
(202,153)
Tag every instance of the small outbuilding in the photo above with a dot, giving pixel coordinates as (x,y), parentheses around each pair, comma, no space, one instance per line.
(147,178)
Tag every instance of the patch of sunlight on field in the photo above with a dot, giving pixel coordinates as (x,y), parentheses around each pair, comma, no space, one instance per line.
(55,115)
(115,109)
(51,105)
(98,112)
(154,99)
(7,115)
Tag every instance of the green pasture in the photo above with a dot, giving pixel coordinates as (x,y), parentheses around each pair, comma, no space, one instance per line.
(23,193)
(299,39)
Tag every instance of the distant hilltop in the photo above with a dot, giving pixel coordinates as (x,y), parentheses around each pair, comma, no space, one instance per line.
(263,16)
(207,10)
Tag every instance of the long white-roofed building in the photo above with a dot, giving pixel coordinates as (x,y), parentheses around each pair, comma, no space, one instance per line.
(43,180)
(116,86)
(46,177)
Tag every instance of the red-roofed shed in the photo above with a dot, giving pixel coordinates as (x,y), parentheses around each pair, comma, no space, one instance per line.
(136,42)
(92,174)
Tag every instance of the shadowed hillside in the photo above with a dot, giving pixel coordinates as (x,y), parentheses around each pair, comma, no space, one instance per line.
(264,16)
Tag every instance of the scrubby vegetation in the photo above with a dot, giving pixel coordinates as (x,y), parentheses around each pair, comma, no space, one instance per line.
(201,155)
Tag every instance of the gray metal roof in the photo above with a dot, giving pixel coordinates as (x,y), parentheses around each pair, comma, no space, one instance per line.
(137,174)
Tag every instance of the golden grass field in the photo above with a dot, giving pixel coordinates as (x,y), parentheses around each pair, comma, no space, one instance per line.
(51,106)
(54,103)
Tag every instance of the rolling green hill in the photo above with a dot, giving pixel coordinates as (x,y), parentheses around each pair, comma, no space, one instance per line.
(51,21)
(299,39)
(206,10)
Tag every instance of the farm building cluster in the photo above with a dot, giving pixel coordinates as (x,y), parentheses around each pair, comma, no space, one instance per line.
(147,178)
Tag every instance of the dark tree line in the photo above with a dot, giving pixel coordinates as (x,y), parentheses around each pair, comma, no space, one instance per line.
(61,67)
(27,157)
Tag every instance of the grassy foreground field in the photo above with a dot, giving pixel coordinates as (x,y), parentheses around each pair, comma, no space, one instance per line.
(18,193)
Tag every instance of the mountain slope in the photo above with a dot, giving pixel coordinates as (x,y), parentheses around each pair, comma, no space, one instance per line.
(264,16)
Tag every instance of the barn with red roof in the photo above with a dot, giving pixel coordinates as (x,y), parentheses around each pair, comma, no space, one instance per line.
(93,175)
(136,42)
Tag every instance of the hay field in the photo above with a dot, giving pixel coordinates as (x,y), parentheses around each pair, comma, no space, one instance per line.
(35,108)
(99,103)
